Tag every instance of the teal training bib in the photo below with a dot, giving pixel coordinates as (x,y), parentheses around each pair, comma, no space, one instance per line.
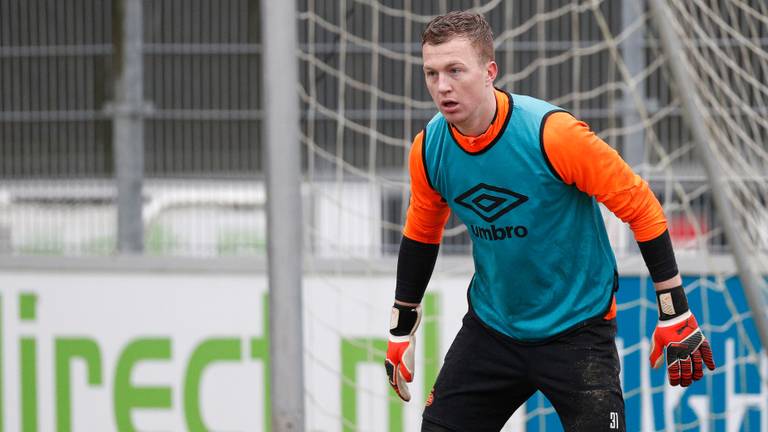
(543,263)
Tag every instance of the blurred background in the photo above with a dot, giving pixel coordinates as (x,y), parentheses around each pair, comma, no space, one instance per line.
(199,96)
(132,145)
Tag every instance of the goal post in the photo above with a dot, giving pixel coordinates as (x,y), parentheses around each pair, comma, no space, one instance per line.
(285,258)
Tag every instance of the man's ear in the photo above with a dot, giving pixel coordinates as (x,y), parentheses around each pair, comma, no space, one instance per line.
(492,70)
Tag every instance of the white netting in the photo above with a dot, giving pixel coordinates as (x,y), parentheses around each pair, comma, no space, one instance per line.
(725,45)
(364,99)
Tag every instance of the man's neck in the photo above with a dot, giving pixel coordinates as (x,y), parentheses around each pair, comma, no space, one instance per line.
(485,113)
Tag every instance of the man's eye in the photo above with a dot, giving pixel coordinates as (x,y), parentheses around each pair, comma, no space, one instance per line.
(455,70)
(431,73)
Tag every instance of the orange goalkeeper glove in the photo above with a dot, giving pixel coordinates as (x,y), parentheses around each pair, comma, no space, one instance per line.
(679,333)
(400,350)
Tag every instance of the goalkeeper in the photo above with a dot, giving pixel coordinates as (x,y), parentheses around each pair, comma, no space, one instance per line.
(526,178)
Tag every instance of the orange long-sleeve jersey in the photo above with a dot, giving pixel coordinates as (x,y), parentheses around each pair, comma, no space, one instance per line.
(574,152)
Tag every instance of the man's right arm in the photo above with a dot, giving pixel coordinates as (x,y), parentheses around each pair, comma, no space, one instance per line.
(425,221)
(424,225)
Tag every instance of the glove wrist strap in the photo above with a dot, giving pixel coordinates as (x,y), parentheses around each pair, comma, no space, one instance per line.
(674,321)
(404,320)
(672,303)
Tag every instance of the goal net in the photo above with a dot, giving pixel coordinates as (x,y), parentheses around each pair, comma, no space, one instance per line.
(363,99)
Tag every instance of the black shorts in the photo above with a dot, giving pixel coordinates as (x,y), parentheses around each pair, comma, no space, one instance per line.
(486,376)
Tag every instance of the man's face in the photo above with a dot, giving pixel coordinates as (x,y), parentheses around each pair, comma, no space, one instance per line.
(457,79)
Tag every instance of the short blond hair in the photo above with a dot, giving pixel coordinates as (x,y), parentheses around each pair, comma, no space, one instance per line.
(461,24)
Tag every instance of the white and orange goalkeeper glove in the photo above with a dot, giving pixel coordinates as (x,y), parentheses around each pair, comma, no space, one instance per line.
(679,333)
(400,350)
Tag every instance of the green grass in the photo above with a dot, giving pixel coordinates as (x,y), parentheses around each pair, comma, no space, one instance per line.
(236,243)
(159,240)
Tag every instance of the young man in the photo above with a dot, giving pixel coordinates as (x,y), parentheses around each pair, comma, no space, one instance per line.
(526,178)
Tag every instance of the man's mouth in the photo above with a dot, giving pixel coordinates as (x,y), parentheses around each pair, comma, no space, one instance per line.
(449,105)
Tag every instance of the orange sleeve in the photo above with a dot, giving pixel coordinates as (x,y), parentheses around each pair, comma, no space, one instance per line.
(582,159)
(427,211)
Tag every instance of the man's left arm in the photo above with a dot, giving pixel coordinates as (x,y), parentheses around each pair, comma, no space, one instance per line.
(677,330)
(581,158)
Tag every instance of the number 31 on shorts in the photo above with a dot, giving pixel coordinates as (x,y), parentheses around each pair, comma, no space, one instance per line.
(614,420)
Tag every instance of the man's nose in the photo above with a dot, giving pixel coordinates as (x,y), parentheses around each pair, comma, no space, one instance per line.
(443,83)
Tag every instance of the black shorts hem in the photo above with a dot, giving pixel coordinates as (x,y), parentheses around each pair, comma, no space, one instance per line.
(440,423)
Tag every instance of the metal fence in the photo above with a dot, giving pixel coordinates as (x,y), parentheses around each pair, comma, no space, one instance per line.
(202,121)
(202,83)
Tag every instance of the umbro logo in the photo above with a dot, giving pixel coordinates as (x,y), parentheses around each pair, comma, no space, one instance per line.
(490,202)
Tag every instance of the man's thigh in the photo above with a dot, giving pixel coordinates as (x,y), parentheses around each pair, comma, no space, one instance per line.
(579,374)
(481,384)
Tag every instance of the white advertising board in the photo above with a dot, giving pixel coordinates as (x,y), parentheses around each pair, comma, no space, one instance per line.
(159,351)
